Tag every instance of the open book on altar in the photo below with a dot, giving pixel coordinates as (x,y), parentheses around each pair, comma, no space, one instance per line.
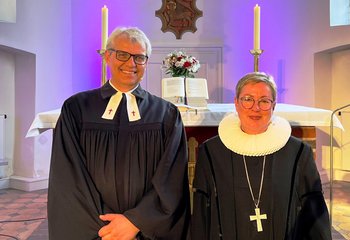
(186,93)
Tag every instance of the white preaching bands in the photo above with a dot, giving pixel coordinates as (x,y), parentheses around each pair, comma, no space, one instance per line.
(131,105)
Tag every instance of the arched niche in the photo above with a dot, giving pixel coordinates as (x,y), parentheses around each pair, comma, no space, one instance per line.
(332,91)
(17,101)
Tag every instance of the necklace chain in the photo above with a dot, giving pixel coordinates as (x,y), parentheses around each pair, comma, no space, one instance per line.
(257,201)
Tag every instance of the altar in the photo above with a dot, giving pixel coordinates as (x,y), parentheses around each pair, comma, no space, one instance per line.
(298,116)
(203,124)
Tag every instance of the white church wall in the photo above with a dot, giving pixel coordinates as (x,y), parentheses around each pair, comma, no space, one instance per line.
(42,29)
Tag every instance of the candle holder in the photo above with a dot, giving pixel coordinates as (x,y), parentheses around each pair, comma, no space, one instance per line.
(101,52)
(256,53)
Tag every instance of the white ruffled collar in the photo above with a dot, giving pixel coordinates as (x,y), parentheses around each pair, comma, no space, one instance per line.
(270,141)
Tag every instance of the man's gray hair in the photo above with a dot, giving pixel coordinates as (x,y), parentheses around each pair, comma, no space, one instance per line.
(133,33)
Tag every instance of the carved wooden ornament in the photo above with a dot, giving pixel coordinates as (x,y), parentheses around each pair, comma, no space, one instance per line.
(179,16)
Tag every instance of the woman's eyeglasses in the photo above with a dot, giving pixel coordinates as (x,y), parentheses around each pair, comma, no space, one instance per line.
(264,104)
(125,56)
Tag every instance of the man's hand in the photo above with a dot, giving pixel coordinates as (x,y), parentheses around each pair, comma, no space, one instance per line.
(119,228)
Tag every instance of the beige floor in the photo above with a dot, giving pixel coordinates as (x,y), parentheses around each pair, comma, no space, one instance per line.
(17,207)
(340,208)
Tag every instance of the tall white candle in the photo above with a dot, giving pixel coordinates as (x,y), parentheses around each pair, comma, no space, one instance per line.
(104,27)
(257,27)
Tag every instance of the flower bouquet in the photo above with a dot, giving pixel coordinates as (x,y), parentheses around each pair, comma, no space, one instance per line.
(179,64)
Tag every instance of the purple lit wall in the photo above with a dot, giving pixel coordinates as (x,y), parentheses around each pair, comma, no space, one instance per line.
(86,39)
(291,33)
(86,32)
(281,21)
(64,36)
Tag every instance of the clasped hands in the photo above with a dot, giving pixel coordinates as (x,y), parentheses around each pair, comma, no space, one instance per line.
(118,228)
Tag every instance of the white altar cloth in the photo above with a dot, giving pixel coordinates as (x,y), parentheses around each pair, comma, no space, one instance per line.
(295,114)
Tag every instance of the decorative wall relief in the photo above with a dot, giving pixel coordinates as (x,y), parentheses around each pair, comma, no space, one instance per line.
(179,16)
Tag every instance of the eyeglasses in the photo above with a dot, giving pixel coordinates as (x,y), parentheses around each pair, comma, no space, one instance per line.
(264,104)
(125,56)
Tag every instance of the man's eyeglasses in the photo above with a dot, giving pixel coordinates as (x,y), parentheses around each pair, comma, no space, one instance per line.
(125,56)
(264,104)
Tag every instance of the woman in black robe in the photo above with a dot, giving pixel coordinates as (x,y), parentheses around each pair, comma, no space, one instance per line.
(254,180)
(119,157)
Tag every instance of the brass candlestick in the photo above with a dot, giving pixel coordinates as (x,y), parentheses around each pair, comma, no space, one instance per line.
(256,53)
(101,52)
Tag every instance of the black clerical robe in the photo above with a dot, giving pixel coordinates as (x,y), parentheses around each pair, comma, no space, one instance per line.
(292,196)
(101,166)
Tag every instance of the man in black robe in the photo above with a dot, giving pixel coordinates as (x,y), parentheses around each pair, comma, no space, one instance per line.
(254,180)
(119,157)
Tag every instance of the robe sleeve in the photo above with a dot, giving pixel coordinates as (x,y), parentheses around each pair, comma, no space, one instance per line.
(313,218)
(200,221)
(74,204)
(164,211)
